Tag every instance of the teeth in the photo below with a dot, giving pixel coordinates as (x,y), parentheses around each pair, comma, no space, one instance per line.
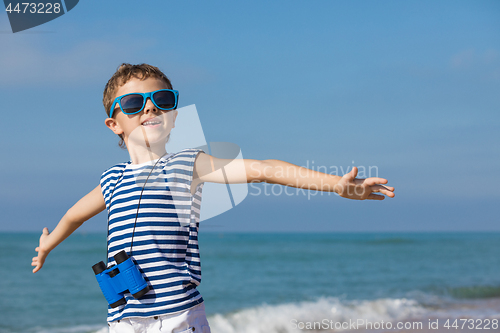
(151,122)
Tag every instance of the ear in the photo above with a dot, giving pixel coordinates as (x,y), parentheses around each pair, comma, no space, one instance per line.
(113,125)
(175,116)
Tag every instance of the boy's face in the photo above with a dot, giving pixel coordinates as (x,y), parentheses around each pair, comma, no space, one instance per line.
(132,126)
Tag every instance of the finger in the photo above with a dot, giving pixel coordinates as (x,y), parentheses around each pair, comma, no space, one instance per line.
(389,188)
(375,180)
(39,265)
(37,249)
(375,197)
(354,172)
(351,175)
(380,188)
(386,192)
(45,231)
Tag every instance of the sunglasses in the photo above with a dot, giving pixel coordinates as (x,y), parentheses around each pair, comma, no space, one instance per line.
(163,99)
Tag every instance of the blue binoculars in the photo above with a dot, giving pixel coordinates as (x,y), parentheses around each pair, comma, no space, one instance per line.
(120,278)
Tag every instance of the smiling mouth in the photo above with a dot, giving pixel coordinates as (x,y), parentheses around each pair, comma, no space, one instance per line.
(151,123)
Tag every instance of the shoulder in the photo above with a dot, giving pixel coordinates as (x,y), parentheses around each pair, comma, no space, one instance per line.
(112,171)
(188,156)
(189,152)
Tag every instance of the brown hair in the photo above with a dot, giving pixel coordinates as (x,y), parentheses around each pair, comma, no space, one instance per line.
(122,75)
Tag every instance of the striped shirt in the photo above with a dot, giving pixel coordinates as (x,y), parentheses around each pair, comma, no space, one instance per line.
(165,240)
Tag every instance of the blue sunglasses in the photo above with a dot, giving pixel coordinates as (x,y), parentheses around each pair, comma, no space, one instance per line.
(163,99)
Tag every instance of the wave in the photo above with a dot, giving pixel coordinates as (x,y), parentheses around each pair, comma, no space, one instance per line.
(284,318)
(474,292)
(457,293)
(287,317)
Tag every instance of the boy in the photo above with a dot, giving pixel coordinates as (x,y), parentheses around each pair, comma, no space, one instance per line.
(161,231)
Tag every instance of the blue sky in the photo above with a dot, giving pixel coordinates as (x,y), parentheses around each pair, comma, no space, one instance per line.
(411,87)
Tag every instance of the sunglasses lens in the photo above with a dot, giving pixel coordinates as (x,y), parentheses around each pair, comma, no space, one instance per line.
(131,103)
(164,99)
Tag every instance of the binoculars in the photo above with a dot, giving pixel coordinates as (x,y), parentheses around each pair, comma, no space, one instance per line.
(120,278)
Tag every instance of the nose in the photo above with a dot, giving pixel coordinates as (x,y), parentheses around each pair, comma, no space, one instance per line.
(150,106)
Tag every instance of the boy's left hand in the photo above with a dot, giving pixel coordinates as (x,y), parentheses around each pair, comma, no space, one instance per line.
(360,189)
(39,260)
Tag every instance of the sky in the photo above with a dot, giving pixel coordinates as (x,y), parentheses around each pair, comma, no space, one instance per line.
(409,88)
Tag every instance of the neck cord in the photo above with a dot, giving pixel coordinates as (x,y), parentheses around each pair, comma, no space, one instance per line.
(138,205)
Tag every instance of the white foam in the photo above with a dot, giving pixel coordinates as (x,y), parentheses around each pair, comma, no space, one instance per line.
(281,318)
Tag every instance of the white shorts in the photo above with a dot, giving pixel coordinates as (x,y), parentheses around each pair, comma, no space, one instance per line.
(193,320)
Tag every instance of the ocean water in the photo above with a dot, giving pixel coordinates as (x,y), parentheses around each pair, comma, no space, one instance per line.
(274,282)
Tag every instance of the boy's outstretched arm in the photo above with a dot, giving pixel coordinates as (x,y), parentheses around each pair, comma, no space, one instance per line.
(88,206)
(211,169)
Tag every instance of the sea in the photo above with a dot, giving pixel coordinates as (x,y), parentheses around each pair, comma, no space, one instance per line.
(278,283)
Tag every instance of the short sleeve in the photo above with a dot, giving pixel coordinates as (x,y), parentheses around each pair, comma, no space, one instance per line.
(184,161)
(108,181)
(191,165)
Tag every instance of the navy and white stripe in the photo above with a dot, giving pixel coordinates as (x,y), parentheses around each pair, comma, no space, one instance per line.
(165,242)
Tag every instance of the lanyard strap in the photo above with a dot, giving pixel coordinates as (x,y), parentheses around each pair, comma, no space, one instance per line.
(138,205)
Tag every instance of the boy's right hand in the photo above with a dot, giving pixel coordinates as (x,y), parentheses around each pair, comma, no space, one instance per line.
(42,252)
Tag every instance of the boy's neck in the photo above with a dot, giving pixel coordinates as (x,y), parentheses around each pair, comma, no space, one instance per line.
(142,154)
